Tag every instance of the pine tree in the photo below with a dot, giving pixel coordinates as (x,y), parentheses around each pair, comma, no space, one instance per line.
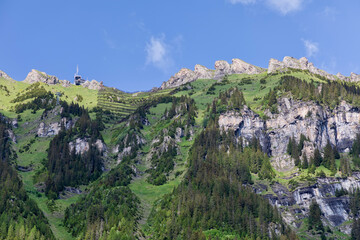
(329,158)
(289,147)
(315,217)
(305,163)
(317,158)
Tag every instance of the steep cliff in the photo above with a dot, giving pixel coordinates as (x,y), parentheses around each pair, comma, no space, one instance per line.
(319,124)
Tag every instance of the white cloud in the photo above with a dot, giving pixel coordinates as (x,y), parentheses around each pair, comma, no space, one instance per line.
(282,6)
(311,48)
(285,6)
(242,1)
(159,53)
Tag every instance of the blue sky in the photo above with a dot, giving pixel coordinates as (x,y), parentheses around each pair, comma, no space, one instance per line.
(138,44)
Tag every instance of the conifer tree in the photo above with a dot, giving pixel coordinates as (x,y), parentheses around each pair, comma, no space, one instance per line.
(305,163)
(315,217)
(317,158)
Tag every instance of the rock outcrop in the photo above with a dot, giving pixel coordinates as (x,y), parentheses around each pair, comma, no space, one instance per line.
(65,83)
(222,68)
(182,77)
(246,124)
(304,64)
(354,77)
(11,135)
(5,76)
(37,76)
(82,145)
(295,205)
(94,85)
(203,72)
(317,123)
(52,129)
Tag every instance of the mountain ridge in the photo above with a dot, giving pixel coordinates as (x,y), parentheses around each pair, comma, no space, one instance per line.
(239,66)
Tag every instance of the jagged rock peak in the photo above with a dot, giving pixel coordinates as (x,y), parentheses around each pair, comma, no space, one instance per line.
(222,68)
(304,64)
(4,75)
(37,76)
(184,76)
(203,72)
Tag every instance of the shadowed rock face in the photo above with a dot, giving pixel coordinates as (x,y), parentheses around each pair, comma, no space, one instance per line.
(336,210)
(318,123)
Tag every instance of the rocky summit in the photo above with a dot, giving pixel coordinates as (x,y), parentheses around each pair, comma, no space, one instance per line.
(238,66)
(222,68)
(37,76)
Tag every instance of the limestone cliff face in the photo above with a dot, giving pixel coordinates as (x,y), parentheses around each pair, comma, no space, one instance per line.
(318,123)
(246,124)
(53,128)
(222,68)
(82,145)
(295,205)
(37,76)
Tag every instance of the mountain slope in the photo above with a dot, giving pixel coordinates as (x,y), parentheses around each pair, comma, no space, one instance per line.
(279,146)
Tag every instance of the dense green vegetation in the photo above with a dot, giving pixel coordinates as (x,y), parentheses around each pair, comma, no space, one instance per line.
(65,166)
(109,211)
(212,196)
(328,92)
(20,217)
(181,116)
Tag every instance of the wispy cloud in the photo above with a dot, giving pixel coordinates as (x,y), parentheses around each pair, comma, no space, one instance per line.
(285,6)
(108,40)
(158,53)
(330,13)
(311,48)
(282,6)
(241,1)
